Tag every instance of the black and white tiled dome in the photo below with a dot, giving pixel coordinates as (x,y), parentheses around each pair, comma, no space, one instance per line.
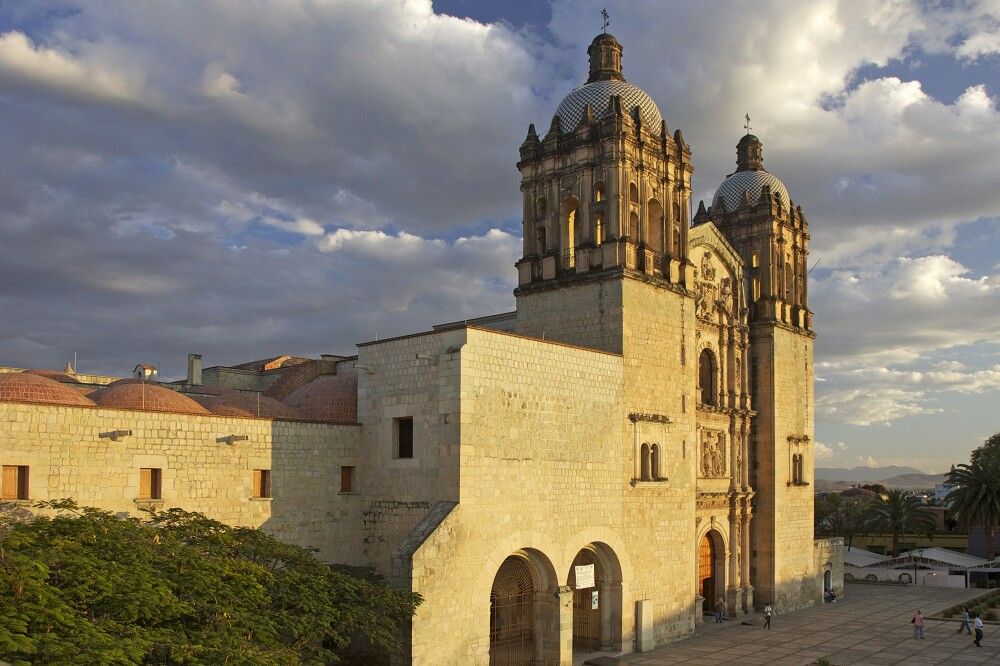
(731,189)
(598,94)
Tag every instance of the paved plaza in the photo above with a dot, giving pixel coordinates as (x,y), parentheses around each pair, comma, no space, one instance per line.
(869,625)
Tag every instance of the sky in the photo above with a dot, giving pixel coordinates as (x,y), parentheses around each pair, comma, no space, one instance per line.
(243,179)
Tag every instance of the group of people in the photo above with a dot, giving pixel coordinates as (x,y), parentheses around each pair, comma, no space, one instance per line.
(968,624)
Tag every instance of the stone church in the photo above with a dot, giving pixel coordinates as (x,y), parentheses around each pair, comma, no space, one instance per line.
(590,473)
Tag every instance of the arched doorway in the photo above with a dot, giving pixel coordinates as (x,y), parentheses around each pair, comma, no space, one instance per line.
(711,575)
(586,606)
(827,580)
(512,614)
(597,599)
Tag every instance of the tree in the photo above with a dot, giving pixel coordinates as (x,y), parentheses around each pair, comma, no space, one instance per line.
(991,447)
(846,517)
(86,587)
(975,495)
(901,512)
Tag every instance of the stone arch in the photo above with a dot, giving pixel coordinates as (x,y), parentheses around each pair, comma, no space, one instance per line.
(524,609)
(708,376)
(599,194)
(711,567)
(654,225)
(569,232)
(597,628)
(645,462)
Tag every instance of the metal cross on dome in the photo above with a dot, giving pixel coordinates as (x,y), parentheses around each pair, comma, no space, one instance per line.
(607,19)
(747,125)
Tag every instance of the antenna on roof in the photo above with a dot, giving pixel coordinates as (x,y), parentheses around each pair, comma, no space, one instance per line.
(607,20)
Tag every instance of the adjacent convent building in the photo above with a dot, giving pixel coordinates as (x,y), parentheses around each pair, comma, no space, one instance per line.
(588,473)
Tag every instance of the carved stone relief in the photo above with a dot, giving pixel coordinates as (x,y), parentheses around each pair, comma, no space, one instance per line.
(713,461)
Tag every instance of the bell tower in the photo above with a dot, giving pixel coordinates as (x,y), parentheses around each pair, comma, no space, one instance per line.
(753,210)
(605,192)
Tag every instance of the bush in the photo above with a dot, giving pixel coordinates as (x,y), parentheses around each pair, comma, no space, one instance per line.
(86,587)
(948,613)
(990,615)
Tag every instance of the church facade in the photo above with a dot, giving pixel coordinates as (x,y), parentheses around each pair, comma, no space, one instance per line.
(590,473)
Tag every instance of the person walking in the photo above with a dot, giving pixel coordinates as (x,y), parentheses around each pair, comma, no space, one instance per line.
(979,631)
(918,625)
(720,610)
(966,622)
(768,611)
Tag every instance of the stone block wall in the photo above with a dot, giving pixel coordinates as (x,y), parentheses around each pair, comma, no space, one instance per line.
(68,458)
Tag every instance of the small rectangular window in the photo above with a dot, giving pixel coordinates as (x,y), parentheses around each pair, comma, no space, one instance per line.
(346,479)
(150,483)
(404,437)
(262,483)
(15,482)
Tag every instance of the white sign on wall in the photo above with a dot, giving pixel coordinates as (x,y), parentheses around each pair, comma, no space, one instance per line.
(584,576)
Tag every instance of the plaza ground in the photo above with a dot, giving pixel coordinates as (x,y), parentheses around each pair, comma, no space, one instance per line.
(869,625)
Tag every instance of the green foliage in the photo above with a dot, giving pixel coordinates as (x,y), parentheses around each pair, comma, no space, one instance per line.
(901,512)
(990,615)
(948,613)
(989,449)
(86,587)
(846,517)
(975,496)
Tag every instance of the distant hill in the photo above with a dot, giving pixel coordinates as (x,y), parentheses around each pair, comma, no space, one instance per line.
(864,474)
(836,479)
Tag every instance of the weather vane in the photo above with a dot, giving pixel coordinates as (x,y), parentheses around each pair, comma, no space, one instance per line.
(747,126)
(607,19)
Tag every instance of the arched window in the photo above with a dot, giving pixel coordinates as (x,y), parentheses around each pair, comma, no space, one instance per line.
(633,193)
(788,282)
(677,213)
(645,464)
(567,216)
(598,192)
(706,377)
(654,462)
(633,226)
(598,227)
(540,207)
(540,240)
(654,225)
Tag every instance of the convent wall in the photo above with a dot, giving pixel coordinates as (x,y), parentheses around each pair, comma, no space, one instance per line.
(68,458)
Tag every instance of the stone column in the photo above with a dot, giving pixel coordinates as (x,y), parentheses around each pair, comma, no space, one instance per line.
(557,626)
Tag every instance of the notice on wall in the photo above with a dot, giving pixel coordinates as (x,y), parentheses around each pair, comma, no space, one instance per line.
(584,576)
(593,600)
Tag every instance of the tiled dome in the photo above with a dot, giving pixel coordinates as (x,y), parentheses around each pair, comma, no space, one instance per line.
(732,188)
(31,387)
(54,374)
(145,396)
(242,404)
(598,94)
(327,398)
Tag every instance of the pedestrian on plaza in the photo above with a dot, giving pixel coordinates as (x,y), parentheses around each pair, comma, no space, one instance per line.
(979,631)
(720,610)
(918,625)
(966,622)
(768,612)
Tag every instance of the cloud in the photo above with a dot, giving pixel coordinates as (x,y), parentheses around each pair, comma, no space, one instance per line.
(827,451)
(26,64)
(301,176)
(907,307)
